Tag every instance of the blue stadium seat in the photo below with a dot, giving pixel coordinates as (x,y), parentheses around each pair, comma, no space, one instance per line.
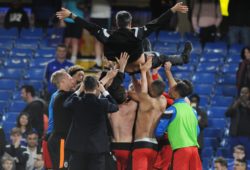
(216,112)
(11,73)
(45,53)
(16,63)
(203,89)
(182,75)
(217,123)
(212,132)
(216,47)
(5,95)
(26,44)
(55,32)
(17,106)
(206,163)
(6,43)
(204,100)
(39,62)
(208,67)
(17,95)
(7,126)
(235,49)
(166,36)
(224,152)
(7,84)
(226,90)
(204,78)
(194,58)
(11,33)
(228,79)
(212,57)
(191,36)
(207,152)
(185,68)
(32,33)
(51,42)
(222,101)
(230,68)
(165,48)
(3,52)
(11,116)
(3,105)
(1,62)
(34,74)
(233,59)
(210,142)
(25,53)
(37,84)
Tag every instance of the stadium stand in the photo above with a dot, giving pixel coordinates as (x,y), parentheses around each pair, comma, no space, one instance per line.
(211,69)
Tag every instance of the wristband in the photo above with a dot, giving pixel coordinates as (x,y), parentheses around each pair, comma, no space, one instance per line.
(105,93)
(77,92)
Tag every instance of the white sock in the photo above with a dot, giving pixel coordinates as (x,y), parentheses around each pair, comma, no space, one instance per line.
(73,59)
(98,61)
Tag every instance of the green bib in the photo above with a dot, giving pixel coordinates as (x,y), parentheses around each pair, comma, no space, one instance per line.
(182,131)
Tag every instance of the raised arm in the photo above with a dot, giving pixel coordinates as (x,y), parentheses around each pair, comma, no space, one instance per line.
(100,33)
(144,69)
(109,76)
(73,99)
(111,105)
(171,80)
(162,20)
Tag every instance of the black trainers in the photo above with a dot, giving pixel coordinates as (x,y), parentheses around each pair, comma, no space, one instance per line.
(186,52)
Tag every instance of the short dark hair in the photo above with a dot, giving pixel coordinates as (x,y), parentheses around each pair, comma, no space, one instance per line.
(119,94)
(90,83)
(184,88)
(221,161)
(195,96)
(190,87)
(32,132)
(158,87)
(61,46)
(74,69)
(240,147)
(242,161)
(242,55)
(30,89)
(123,19)
(29,125)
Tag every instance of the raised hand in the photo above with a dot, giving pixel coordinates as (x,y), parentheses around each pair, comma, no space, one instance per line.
(168,66)
(101,88)
(122,61)
(146,66)
(64,13)
(112,73)
(179,7)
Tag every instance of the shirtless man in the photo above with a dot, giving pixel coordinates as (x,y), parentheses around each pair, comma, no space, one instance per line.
(126,38)
(151,106)
(122,123)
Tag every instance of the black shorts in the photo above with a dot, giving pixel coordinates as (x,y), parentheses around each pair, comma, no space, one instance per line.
(102,22)
(72,31)
(59,156)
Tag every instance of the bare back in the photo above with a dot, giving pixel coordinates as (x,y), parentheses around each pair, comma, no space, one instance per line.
(150,110)
(122,122)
